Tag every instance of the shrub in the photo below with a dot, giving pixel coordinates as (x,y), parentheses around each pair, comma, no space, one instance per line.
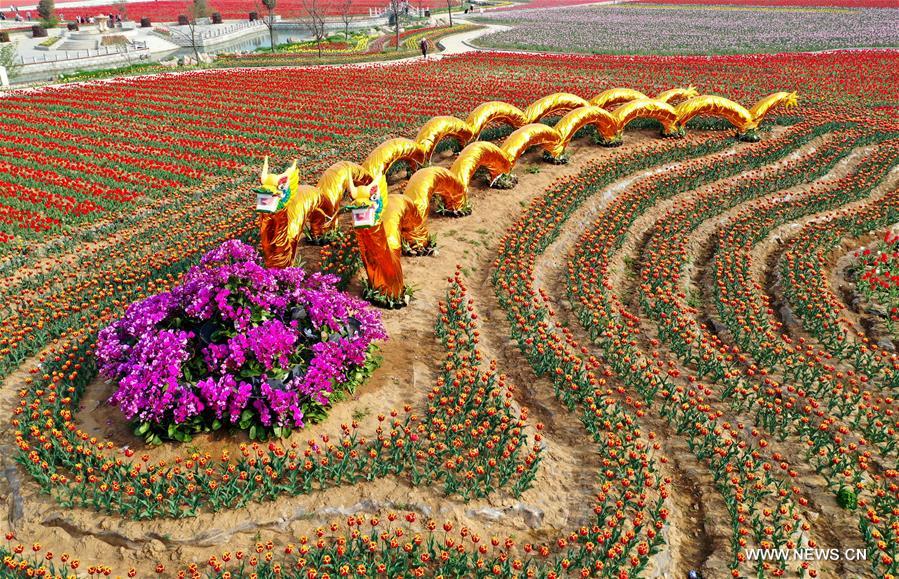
(46,9)
(236,344)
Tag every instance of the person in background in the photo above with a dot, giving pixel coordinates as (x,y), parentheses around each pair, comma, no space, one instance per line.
(423,44)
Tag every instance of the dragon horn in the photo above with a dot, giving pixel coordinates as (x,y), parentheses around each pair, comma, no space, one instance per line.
(264,172)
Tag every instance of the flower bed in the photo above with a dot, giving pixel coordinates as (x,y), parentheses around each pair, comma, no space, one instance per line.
(706,357)
(648,29)
(237,344)
(380,48)
(813,301)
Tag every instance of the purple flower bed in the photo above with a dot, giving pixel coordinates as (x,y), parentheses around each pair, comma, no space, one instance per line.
(236,344)
(683,29)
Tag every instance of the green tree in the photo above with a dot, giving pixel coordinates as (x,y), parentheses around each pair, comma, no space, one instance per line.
(200,9)
(8,59)
(197,9)
(46,9)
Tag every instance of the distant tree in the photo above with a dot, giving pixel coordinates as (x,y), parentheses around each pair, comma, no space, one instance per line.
(197,9)
(9,59)
(269,19)
(46,9)
(344,8)
(449,10)
(314,19)
(396,7)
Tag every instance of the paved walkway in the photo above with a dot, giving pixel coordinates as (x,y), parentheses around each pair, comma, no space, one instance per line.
(459,43)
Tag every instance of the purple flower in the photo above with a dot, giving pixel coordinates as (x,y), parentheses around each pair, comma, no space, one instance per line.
(272,342)
(235,336)
(149,378)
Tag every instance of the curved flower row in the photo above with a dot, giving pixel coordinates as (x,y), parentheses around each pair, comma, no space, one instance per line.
(814,303)
(662,275)
(747,312)
(581,381)
(878,279)
(662,296)
(742,472)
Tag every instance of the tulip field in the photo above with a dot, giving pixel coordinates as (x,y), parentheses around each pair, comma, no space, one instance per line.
(641,361)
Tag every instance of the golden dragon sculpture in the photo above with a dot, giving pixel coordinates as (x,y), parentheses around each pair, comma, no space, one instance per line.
(385,223)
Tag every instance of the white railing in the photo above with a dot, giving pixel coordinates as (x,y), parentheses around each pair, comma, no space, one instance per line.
(225,29)
(181,35)
(66,55)
(412,11)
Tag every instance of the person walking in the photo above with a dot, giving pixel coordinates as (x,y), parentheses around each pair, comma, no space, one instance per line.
(423,44)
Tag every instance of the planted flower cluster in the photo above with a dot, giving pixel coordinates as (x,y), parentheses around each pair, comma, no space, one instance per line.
(878,280)
(470,439)
(265,350)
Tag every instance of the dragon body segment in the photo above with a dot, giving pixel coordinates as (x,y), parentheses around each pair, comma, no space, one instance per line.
(746,121)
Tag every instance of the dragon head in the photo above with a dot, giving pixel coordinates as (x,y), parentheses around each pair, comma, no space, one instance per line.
(276,190)
(368,202)
(791,100)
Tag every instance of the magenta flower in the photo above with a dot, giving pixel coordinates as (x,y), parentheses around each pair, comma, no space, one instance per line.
(236,343)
